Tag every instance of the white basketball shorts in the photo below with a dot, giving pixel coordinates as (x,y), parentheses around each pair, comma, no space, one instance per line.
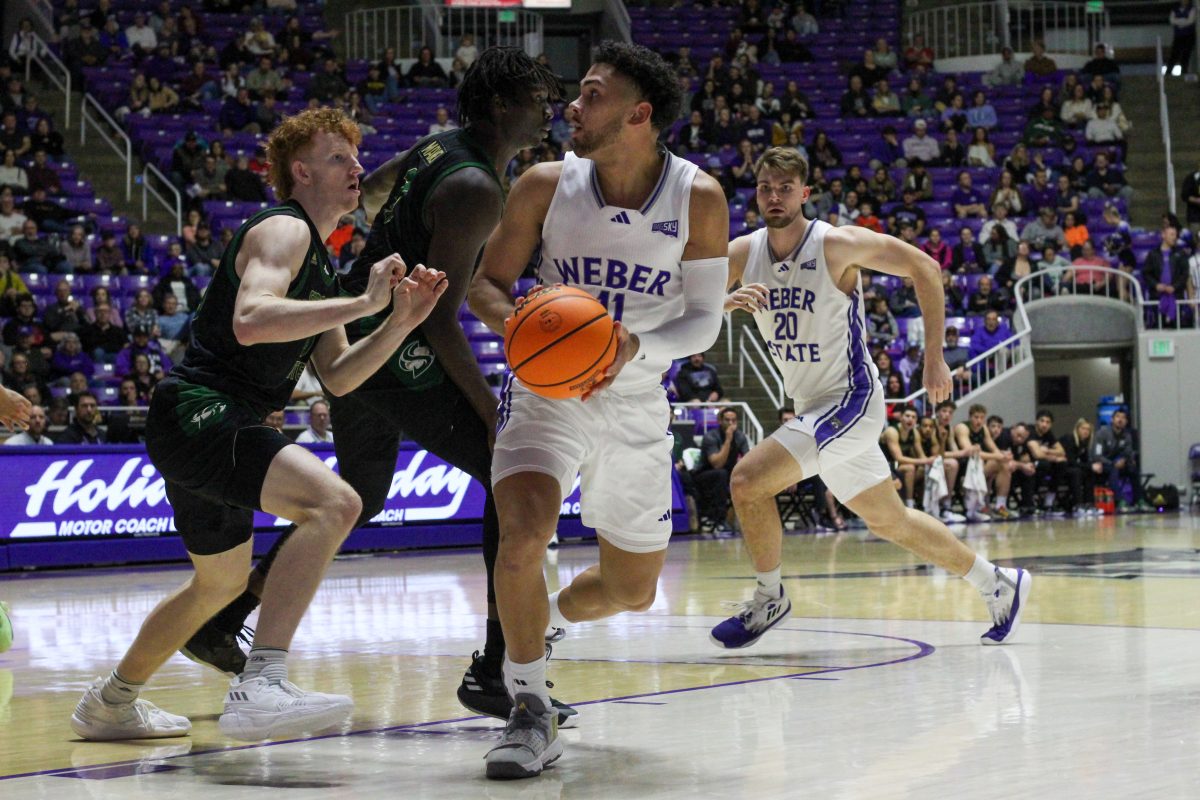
(837,437)
(619,445)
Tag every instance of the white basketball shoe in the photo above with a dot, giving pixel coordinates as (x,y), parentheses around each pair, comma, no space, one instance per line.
(256,709)
(1006,602)
(99,721)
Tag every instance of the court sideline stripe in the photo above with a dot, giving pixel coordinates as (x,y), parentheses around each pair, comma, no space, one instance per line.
(923,649)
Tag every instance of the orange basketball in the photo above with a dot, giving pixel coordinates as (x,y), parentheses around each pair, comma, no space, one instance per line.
(559,341)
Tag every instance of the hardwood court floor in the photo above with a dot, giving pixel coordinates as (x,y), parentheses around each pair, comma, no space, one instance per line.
(875,688)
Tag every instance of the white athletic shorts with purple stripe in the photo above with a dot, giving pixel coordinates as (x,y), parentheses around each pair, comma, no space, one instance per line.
(618,444)
(837,437)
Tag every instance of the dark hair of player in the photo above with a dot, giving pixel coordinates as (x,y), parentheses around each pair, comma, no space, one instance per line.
(504,72)
(653,77)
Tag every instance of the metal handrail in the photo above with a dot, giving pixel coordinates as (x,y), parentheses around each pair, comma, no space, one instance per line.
(1164,120)
(1016,350)
(114,140)
(618,12)
(984,28)
(754,428)
(148,190)
(1046,284)
(43,12)
(369,31)
(729,336)
(777,393)
(44,57)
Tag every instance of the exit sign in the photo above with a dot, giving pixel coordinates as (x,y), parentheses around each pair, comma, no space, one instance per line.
(1162,348)
(1095,6)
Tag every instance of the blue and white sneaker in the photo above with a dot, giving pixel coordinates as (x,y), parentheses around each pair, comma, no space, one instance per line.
(754,618)
(1006,602)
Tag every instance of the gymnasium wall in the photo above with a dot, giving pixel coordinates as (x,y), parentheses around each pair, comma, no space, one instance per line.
(1090,379)
(1012,398)
(1169,408)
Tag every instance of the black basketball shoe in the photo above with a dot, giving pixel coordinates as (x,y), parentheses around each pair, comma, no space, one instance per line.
(219,650)
(484,693)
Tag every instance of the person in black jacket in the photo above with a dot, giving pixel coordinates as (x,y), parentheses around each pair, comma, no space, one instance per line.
(177,275)
(1081,469)
(85,428)
(856,102)
(968,254)
(242,184)
(698,381)
(1116,450)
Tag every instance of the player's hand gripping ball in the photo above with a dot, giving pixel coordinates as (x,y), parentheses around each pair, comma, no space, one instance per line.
(559,341)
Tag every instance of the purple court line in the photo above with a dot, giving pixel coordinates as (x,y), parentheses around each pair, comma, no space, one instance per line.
(924,649)
(638,703)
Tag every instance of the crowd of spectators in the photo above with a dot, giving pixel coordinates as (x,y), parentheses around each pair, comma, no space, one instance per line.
(1030,213)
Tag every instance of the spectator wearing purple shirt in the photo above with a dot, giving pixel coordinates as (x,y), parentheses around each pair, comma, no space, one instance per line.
(69,357)
(160,362)
(992,333)
(238,114)
(967,201)
(887,152)
(1040,193)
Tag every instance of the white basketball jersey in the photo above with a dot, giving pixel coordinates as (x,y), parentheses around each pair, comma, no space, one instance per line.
(814,332)
(627,259)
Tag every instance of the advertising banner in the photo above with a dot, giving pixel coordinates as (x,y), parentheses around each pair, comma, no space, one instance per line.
(114,491)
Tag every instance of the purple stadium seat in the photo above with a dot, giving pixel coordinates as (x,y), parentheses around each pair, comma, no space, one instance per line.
(106,373)
(132,283)
(38,283)
(110,282)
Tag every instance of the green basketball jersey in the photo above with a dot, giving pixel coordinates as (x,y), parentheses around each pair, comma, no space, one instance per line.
(261,375)
(401,226)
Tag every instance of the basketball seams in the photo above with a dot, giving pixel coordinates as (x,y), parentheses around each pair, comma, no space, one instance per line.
(559,340)
(554,384)
(590,369)
(559,292)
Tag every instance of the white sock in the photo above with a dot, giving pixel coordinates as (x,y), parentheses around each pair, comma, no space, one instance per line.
(266,662)
(910,503)
(768,582)
(1002,502)
(557,620)
(526,679)
(982,575)
(116,690)
(1050,498)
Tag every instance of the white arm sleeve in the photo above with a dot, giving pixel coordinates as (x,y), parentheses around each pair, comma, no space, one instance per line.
(697,328)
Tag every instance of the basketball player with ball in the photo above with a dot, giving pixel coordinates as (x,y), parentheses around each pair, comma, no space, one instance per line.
(800,279)
(645,233)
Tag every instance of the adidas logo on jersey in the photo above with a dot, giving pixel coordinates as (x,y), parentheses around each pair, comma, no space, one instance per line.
(665,517)
(784,267)
(622,219)
(668,228)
